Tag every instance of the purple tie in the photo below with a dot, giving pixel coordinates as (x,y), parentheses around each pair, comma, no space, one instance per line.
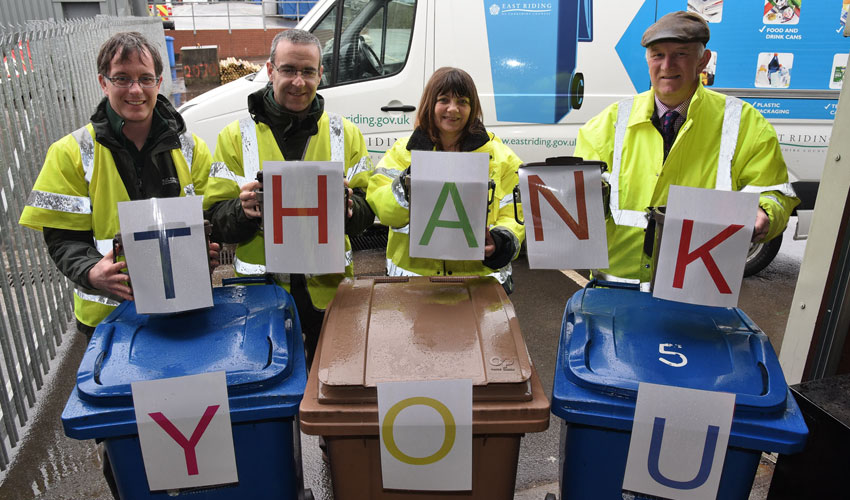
(667,130)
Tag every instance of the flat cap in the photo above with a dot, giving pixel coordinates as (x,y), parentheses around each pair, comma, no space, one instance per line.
(680,26)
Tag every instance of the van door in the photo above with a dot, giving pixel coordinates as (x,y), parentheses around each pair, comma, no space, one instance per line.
(373,60)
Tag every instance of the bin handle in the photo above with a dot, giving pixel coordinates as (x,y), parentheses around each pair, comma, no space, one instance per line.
(247,280)
(597,283)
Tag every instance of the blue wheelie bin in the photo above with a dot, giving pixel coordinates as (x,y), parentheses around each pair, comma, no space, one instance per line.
(253,334)
(533,50)
(610,342)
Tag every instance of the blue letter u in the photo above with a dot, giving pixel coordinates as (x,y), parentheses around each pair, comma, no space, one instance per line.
(704,467)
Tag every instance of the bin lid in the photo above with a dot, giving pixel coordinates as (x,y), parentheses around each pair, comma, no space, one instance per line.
(613,339)
(251,333)
(417,329)
(623,337)
(422,328)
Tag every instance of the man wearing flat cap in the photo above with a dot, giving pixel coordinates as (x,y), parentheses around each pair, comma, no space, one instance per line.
(681,133)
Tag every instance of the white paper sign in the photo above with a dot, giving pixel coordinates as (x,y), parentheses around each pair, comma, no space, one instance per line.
(426,435)
(448,204)
(166,252)
(678,442)
(303,217)
(184,431)
(704,245)
(564,217)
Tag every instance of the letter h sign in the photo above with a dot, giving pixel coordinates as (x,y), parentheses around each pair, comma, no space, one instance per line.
(303,217)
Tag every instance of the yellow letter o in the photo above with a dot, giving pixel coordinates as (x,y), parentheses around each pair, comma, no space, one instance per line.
(389,439)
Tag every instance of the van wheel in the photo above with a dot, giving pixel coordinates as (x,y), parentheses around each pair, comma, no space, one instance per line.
(577,91)
(761,254)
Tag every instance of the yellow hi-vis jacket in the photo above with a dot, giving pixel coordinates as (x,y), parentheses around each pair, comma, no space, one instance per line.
(79,188)
(240,151)
(724,143)
(387,200)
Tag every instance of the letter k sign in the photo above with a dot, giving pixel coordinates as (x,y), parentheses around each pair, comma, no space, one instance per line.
(704,245)
(184,431)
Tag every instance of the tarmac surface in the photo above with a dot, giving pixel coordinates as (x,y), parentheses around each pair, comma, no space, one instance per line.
(48,465)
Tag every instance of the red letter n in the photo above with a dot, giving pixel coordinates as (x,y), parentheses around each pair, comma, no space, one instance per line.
(188,445)
(684,258)
(537,187)
(280,212)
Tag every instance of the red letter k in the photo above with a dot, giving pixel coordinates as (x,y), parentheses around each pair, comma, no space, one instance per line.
(702,252)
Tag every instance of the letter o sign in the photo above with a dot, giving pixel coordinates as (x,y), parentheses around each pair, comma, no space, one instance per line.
(389,438)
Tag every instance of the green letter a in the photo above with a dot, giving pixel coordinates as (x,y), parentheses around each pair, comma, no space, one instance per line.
(462,223)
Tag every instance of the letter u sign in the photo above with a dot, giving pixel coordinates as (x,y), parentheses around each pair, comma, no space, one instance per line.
(678,443)
(704,467)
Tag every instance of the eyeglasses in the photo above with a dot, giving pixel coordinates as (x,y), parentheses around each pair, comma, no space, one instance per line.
(290,72)
(124,82)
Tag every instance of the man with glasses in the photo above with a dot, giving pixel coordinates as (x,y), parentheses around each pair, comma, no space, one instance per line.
(288,122)
(136,147)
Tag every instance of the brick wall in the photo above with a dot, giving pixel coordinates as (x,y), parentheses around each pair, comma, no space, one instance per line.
(242,43)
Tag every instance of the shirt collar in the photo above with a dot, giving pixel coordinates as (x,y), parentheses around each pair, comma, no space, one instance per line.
(682,108)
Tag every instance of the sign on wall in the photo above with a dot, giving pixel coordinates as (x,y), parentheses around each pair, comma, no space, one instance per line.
(448,204)
(303,217)
(167,254)
(426,435)
(184,431)
(564,217)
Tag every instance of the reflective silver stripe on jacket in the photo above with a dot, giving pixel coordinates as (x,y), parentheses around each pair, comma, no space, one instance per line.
(394,270)
(506,200)
(187,147)
(787,189)
(84,140)
(632,218)
(728,142)
(388,172)
(401,230)
(95,298)
(337,137)
(189,189)
(246,268)
(398,193)
(250,151)
(59,202)
(103,246)
(364,165)
(219,170)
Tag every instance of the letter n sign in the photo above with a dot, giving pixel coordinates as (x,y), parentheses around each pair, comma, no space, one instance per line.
(564,217)
(303,217)
(184,431)
(704,245)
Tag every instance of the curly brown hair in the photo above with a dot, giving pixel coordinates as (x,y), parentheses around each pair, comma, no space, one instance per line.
(449,81)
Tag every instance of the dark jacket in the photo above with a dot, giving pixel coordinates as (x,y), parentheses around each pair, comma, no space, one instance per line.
(146,174)
(291,132)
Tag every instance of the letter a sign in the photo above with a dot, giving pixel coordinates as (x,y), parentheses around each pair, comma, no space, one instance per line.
(303,217)
(704,245)
(564,218)
(448,205)
(184,431)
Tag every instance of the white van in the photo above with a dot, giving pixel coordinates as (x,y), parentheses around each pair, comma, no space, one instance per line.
(543,68)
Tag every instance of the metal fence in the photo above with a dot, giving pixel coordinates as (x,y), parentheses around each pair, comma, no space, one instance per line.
(48,88)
